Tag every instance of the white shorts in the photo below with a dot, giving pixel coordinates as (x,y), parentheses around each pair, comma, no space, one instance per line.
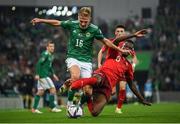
(85,67)
(45,83)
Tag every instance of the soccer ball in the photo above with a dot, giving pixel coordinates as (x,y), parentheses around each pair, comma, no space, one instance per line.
(74,111)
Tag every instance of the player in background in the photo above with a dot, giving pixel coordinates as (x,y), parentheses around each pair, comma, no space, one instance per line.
(148,89)
(80,44)
(44,70)
(119,31)
(105,79)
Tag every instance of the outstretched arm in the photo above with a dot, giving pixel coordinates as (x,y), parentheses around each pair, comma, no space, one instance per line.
(47,21)
(100,55)
(111,45)
(132,86)
(134,62)
(139,33)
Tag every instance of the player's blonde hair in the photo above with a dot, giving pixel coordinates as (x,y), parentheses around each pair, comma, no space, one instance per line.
(85,11)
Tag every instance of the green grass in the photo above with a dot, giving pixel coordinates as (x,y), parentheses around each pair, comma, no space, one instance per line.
(160,113)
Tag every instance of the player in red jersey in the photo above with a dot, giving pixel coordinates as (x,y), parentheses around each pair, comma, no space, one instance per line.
(111,54)
(105,78)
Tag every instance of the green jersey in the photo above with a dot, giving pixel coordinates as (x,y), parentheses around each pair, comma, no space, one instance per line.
(44,65)
(80,44)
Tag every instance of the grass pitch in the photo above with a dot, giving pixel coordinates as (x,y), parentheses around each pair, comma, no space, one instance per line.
(159,113)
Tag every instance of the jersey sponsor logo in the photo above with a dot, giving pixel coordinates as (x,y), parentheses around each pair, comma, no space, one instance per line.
(76,32)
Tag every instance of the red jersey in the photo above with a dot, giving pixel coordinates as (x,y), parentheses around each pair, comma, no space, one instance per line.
(116,69)
(111,53)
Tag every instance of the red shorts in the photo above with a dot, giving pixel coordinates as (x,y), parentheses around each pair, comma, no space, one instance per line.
(104,87)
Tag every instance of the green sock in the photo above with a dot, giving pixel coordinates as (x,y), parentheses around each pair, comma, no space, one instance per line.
(71,94)
(36,101)
(84,99)
(51,100)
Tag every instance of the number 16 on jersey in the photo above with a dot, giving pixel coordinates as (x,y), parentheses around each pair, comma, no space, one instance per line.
(79,43)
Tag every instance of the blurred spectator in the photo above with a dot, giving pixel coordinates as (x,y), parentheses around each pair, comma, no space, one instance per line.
(27,88)
(21,44)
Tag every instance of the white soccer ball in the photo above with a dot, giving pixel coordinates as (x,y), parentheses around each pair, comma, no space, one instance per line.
(74,111)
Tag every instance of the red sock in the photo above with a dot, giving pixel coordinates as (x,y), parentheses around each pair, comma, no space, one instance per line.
(121,98)
(82,82)
(90,105)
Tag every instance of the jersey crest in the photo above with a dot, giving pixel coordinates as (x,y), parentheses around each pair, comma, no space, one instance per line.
(88,34)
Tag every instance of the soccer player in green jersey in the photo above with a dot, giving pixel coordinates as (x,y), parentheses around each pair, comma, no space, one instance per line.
(43,72)
(80,44)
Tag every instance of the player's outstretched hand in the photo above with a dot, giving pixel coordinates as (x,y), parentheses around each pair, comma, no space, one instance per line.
(68,82)
(35,20)
(141,33)
(146,103)
(125,51)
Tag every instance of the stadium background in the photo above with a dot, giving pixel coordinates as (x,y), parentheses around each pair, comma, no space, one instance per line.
(21,43)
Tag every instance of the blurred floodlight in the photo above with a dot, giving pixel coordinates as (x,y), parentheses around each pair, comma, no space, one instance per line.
(44,11)
(63,13)
(69,13)
(58,13)
(74,10)
(60,8)
(40,13)
(66,8)
(54,9)
(13,8)
(36,9)
(49,12)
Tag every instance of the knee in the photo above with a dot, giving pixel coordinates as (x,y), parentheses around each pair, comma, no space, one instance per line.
(95,113)
(122,88)
(122,85)
(40,93)
(52,91)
